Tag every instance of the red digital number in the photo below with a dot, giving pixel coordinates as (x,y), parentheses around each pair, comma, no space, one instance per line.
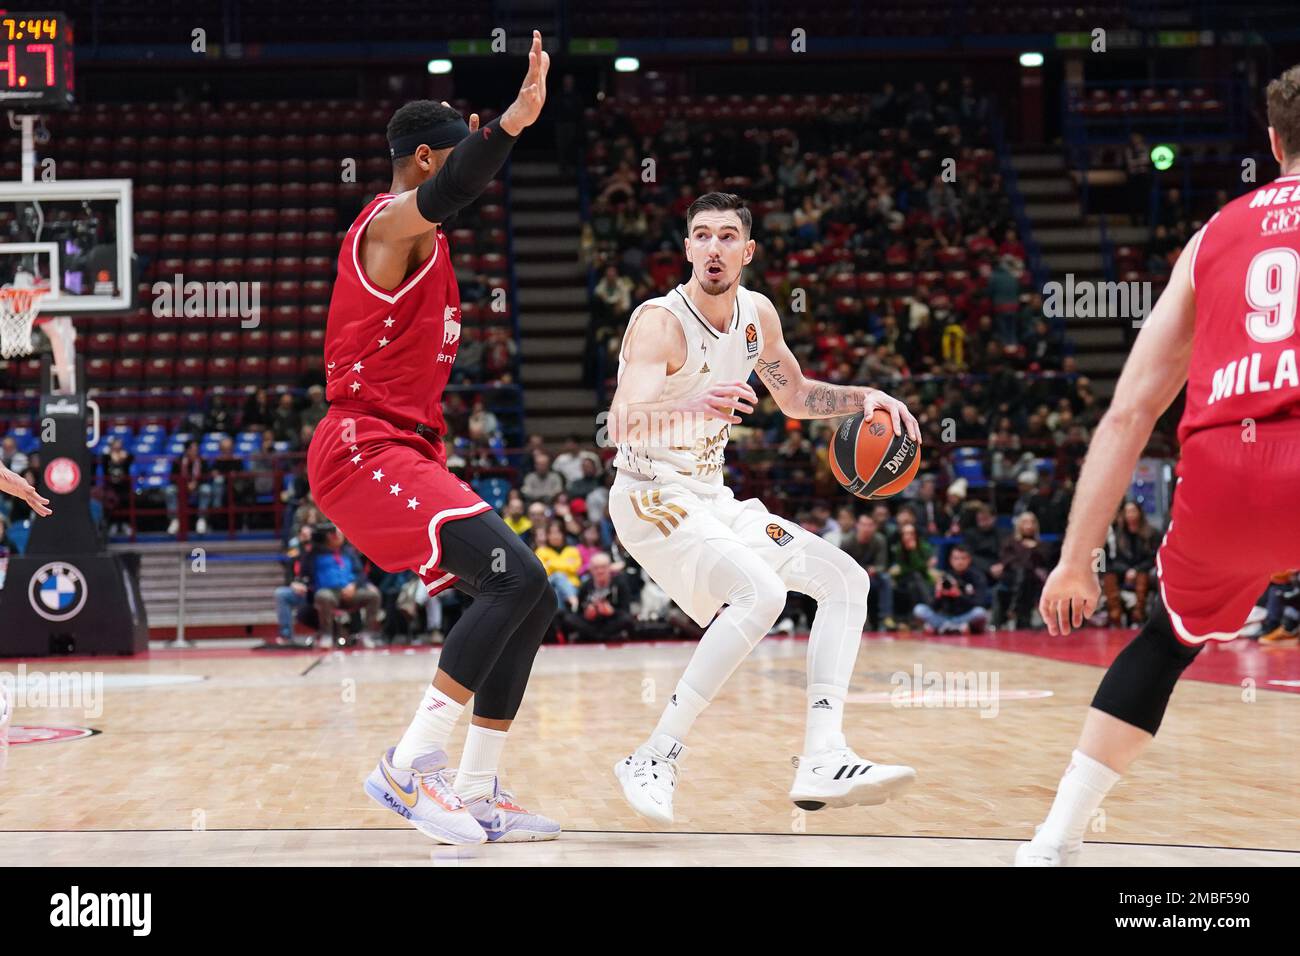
(11,65)
(48,50)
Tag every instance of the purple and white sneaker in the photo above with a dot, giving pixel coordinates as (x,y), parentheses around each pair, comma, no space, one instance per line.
(504,821)
(423,797)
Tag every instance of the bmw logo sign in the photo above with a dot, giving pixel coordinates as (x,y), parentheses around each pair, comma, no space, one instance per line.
(57,591)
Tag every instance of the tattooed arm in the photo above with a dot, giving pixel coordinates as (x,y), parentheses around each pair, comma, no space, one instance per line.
(801,397)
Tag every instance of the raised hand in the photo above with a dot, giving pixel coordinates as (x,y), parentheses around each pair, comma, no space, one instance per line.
(523,112)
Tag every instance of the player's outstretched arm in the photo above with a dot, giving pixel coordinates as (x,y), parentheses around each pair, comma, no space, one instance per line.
(15,484)
(1154,373)
(471,165)
(655,347)
(800,397)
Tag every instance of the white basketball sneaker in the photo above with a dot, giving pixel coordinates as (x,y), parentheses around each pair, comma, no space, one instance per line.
(837,777)
(1040,852)
(649,776)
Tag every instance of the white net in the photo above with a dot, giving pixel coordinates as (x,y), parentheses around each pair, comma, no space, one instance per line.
(19,304)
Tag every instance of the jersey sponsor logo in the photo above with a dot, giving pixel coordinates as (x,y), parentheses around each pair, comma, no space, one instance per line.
(779,534)
(751,339)
(1277,221)
(57,591)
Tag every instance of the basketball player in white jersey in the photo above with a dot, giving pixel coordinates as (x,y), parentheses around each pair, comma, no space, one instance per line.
(682,378)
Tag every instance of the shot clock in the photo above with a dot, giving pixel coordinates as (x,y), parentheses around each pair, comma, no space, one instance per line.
(36,51)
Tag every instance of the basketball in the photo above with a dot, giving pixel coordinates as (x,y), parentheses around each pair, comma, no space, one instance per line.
(869,460)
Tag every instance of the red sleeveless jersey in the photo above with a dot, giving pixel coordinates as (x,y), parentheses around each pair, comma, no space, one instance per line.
(393,349)
(1246,276)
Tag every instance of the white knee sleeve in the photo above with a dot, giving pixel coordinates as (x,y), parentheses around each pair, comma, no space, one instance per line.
(754,596)
(840,587)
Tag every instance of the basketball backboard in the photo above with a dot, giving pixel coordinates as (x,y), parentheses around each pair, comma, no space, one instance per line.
(74,235)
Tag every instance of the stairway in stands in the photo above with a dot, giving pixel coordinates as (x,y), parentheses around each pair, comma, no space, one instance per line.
(1072,243)
(552,296)
(226,597)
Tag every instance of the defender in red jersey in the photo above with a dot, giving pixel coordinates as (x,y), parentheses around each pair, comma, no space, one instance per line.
(1226,326)
(378,466)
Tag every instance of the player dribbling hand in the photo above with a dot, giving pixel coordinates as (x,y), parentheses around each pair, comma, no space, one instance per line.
(898,413)
(14,484)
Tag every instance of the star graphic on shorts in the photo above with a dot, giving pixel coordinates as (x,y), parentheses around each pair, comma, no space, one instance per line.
(357,368)
(356,386)
(377,474)
(388,322)
(413,503)
(394,490)
(356,460)
(354,448)
(383,342)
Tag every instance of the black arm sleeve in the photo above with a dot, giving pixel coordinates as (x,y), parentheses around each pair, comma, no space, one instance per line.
(468,170)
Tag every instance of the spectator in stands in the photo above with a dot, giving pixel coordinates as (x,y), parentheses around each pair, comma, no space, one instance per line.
(340,579)
(228,485)
(296,591)
(844,530)
(869,548)
(316,408)
(569,461)
(614,294)
(219,419)
(257,412)
(1004,291)
(961,598)
(1025,562)
(286,423)
(913,567)
(931,513)
(1137,167)
(542,484)
(116,464)
(589,545)
(1131,547)
(603,605)
(482,422)
(588,480)
(561,561)
(513,513)
(983,540)
(191,474)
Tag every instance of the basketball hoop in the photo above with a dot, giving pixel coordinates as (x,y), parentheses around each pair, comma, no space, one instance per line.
(18,308)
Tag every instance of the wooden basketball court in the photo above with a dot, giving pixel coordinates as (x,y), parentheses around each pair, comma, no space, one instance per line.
(223,756)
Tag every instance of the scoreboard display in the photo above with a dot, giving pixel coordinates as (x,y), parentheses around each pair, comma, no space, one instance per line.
(36,53)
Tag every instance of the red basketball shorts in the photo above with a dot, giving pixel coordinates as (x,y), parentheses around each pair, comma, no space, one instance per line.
(389,492)
(1235,522)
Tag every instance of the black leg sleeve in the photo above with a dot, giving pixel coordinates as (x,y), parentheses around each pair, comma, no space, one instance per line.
(507,582)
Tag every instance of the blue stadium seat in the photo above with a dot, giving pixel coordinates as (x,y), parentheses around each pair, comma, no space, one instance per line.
(492,490)
(968,463)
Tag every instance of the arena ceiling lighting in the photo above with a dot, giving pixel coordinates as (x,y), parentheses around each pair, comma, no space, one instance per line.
(627,64)
(439,66)
(1031,59)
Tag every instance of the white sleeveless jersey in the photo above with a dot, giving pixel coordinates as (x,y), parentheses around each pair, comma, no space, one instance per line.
(712,358)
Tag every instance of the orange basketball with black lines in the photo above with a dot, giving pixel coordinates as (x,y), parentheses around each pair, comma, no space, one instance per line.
(869,460)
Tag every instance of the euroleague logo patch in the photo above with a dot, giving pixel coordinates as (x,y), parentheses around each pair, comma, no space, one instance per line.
(57,591)
(62,476)
(779,534)
(877,429)
(751,339)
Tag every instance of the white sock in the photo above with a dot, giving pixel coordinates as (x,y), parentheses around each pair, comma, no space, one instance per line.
(1080,792)
(680,714)
(479,764)
(825,720)
(430,727)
